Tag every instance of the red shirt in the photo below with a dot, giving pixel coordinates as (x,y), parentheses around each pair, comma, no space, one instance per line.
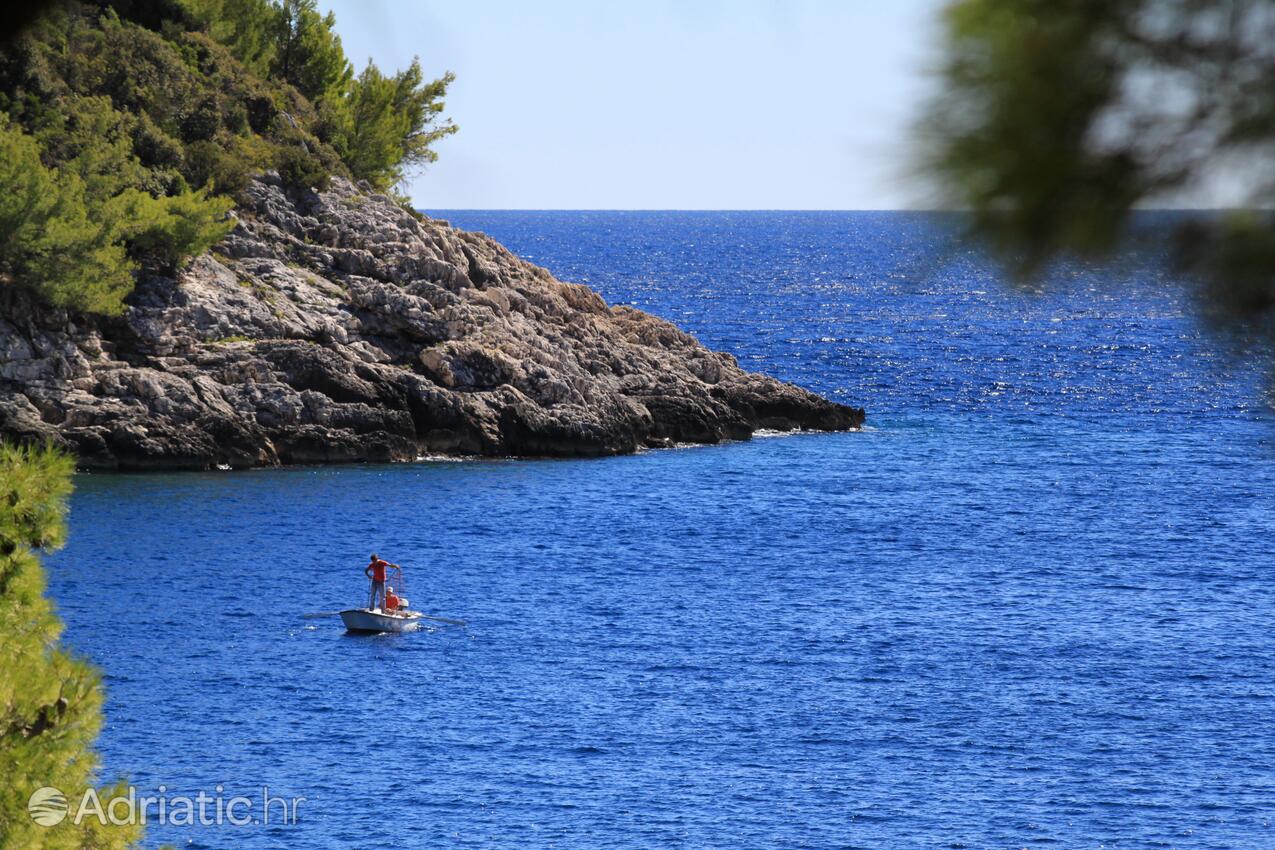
(391,601)
(378,570)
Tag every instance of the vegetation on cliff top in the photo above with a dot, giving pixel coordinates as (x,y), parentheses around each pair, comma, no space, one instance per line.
(128,126)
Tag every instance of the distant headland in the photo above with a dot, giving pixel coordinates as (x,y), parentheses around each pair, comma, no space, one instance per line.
(336,326)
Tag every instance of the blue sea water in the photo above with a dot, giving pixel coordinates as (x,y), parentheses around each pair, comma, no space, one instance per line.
(1030,606)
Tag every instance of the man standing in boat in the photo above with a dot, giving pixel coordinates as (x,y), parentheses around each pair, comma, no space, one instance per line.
(376,572)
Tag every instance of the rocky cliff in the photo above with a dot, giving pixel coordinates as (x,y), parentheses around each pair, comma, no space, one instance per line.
(339,327)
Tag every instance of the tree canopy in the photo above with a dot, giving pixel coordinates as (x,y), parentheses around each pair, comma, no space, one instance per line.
(50,702)
(1057,119)
(129,126)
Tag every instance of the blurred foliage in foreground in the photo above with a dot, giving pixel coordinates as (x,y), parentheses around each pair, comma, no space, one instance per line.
(50,702)
(1058,117)
(128,126)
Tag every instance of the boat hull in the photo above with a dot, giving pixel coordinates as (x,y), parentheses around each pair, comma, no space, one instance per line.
(370,621)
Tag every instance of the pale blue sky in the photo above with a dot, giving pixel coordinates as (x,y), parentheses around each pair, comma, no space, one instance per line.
(662,104)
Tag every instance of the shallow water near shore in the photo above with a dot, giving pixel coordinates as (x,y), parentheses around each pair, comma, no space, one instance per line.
(1031,605)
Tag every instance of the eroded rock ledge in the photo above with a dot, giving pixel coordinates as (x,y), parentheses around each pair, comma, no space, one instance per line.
(338,327)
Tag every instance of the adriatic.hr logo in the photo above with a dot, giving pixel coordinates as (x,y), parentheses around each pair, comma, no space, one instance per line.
(49,807)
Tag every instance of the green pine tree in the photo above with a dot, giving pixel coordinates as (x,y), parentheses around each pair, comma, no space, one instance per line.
(50,702)
(48,241)
(392,123)
(308,52)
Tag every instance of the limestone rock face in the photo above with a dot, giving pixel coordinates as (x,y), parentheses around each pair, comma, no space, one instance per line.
(337,326)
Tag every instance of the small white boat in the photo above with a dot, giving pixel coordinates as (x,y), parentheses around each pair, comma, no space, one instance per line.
(396,617)
(369,620)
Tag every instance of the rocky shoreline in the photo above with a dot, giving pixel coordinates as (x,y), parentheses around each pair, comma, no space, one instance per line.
(338,327)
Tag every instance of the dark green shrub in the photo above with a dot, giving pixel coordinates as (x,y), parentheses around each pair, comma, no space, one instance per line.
(261,112)
(300,169)
(203,122)
(153,147)
(208,162)
(235,117)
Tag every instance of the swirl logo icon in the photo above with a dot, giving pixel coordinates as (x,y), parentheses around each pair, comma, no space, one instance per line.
(47,806)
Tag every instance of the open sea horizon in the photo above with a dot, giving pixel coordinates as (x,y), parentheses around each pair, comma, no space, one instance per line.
(1030,605)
